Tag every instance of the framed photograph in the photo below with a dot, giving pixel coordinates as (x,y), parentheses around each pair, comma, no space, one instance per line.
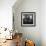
(28,19)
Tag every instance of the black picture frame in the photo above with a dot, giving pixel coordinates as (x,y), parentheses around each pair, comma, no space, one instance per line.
(28,19)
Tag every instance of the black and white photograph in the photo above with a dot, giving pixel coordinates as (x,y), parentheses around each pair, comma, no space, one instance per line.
(28,19)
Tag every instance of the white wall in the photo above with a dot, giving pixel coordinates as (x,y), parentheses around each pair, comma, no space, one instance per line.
(32,33)
(6,13)
(43,22)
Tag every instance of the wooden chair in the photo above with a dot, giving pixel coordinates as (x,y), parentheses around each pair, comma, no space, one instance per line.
(18,39)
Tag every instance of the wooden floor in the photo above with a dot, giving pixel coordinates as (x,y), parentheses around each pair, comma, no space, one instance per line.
(8,43)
